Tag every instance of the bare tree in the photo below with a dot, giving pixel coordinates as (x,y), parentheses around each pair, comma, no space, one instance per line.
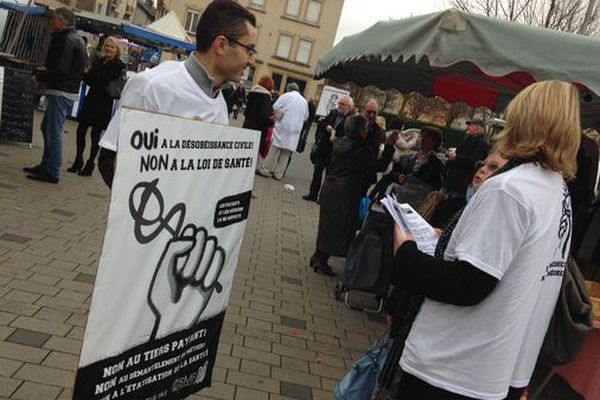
(456,110)
(575,16)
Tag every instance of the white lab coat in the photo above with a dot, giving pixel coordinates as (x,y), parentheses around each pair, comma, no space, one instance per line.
(291,110)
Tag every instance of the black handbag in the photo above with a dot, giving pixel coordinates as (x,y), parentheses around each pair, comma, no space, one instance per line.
(115,87)
(572,321)
(369,260)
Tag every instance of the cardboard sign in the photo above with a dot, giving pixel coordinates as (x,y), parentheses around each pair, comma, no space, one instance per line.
(177,214)
(329,99)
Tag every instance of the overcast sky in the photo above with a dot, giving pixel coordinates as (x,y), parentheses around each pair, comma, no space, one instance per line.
(358,15)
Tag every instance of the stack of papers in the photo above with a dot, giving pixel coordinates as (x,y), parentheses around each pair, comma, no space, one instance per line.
(411,222)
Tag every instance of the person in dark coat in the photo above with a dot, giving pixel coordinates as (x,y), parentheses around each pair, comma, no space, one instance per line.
(375,138)
(582,188)
(352,161)
(329,128)
(259,110)
(98,105)
(461,166)
(422,169)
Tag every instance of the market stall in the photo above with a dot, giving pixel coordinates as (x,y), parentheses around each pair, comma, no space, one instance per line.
(23,45)
(466,57)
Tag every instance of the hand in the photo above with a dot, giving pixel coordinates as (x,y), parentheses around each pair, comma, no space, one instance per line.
(389,320)
(41,68)
(186,276)
(400,237)
(401,178)
(34,79)
(392,138)
(438,231)
(329,128)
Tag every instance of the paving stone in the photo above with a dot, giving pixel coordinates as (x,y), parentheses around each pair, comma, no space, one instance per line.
(37,391)
(64,213)
(7,186)
(296,391)
(293,322)
(72,346)
(85,278)
(22,297)
(46,375)
(39,325)
(256,368)
(19,352)
(299,378)
(9,367)
(293,281)
(11,237)
(28,337)
(243,393)
(8,386)
(60,360)
(51,314)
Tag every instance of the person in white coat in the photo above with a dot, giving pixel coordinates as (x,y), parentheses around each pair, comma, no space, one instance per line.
(291,110)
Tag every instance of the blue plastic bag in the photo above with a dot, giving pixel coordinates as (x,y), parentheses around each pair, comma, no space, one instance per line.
(360,381)
(363,209)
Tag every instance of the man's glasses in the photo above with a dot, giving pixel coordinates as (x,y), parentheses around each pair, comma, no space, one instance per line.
(250,49)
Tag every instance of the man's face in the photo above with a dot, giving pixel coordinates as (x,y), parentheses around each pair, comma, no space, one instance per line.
(57,24)
(370,112)
(344,106)
(473,130)
(239,55)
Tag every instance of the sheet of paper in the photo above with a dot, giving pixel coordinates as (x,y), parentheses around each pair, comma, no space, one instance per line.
(411,221)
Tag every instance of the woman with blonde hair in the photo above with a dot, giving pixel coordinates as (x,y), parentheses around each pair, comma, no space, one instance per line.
(490,299)
(97,105)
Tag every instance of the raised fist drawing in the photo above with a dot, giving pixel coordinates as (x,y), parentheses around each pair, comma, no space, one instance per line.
(185,279)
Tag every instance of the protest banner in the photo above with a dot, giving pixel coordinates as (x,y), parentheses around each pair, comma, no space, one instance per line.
(178,207)
(329,99)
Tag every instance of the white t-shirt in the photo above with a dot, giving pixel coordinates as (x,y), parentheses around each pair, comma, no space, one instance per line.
(516,228)
(166,89)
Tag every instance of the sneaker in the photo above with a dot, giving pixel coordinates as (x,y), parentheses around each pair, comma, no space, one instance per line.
(263,172)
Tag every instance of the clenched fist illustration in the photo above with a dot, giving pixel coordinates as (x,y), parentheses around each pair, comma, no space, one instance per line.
(185,279)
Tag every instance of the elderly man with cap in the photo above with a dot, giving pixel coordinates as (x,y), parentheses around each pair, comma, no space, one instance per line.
(461,165)
(291,110)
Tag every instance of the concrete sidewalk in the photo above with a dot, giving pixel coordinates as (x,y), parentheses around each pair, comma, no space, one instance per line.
(285,336)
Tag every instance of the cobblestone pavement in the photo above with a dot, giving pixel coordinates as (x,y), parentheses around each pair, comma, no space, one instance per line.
(285,336)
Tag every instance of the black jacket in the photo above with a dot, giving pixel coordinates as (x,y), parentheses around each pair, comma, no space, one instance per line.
(430,173)
(259,112)
(97,106)
(322,137)
(342,190)
(65,62)
(460,171)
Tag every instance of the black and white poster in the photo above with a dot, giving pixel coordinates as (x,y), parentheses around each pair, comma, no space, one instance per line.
(179,203)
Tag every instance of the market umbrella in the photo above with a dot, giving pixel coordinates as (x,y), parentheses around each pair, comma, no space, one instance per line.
(465,57)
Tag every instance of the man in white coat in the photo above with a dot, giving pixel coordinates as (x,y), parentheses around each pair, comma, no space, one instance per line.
(291,110)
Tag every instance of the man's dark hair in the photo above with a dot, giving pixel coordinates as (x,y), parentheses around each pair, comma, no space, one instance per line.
(354,124)
(67,15)
(436,135)
(222,17)
(397,124)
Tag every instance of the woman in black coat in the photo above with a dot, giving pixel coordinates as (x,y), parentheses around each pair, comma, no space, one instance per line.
(353,160)
(259,110)
(97,106)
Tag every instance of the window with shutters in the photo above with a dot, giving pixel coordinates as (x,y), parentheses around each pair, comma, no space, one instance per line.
(284,46)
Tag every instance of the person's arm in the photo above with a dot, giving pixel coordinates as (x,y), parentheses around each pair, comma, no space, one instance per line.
(60,71)
(451,282)
(106,165)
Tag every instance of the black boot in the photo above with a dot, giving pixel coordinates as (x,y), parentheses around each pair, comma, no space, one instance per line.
(77,164)
(88,169)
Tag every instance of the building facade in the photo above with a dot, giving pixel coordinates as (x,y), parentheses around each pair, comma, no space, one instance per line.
(292,35)
(121,9)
